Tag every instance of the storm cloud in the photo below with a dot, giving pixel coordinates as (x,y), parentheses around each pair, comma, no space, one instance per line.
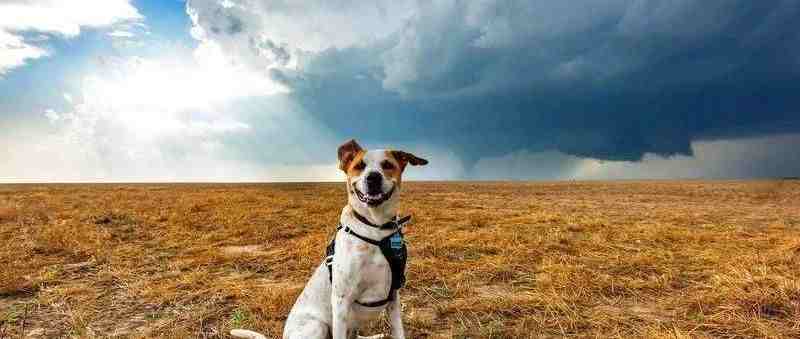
(610,80)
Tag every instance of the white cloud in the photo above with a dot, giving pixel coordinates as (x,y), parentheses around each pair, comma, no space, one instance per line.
(52,115)
(269,34)
(63,18)
(121,34)
(14,52)
(307,25)
(147,100)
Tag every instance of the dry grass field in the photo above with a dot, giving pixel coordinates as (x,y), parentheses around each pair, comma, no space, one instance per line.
(672,259)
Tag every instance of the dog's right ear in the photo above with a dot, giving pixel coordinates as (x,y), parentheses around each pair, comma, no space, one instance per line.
(347,152)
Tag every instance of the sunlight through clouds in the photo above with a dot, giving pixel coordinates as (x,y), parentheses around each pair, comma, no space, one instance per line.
(184,114)
(147,117)
(167,85)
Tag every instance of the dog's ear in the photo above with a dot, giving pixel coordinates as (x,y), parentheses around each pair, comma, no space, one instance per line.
(347,152)
(405,158)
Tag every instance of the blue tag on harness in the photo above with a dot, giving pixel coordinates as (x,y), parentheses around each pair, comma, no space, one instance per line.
(396,241)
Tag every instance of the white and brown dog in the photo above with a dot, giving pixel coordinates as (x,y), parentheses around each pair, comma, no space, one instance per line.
(360,278)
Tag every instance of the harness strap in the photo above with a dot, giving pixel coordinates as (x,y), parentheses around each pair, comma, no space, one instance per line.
(348,230)
(390,225)
(388,299)
(394,253)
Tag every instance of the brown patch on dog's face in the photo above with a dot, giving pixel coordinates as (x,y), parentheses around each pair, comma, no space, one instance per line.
(356,165)
(396,162)
(392,168)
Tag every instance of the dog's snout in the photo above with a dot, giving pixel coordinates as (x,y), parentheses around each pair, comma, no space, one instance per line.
(374,183)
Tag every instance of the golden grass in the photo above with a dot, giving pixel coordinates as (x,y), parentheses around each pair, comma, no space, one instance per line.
(689,259)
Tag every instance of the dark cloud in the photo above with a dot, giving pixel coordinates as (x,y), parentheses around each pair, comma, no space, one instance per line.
(230,25)
(606,79)
(277,54)
(637,77)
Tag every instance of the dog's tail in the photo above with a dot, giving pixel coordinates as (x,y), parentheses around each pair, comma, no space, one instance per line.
(247,334)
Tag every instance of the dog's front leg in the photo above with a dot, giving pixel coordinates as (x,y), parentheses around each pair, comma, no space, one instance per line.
(341,315)
(396,317)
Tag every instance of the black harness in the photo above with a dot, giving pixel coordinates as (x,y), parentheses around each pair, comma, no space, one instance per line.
(393,248)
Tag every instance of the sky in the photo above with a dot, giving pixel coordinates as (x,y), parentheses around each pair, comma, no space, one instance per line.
(266,90)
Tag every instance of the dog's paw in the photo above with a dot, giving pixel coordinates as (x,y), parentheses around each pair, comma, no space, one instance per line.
(377,336)
(247,334)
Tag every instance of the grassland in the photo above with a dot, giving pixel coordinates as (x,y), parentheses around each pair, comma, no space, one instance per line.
(687,259)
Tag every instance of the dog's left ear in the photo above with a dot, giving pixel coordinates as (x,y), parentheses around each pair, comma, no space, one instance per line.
(347,152)
(407,158)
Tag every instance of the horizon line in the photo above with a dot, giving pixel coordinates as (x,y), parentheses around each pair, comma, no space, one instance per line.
(122,182)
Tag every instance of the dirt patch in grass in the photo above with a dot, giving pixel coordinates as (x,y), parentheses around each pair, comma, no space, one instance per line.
(243,250)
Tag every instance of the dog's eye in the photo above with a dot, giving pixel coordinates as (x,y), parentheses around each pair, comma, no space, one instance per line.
(386,165)
(360,166)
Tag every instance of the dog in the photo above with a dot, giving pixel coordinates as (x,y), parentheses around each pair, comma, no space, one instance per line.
(359,278)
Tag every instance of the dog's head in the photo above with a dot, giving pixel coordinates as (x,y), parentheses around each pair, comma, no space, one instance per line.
(374,177)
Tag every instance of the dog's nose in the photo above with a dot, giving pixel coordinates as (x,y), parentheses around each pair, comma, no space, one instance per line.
(374,183)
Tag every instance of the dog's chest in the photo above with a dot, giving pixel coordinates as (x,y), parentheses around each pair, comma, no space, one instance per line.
(375,282)
(369,270)
(369,263)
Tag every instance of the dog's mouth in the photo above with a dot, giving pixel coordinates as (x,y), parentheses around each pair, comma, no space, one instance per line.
(373,199)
